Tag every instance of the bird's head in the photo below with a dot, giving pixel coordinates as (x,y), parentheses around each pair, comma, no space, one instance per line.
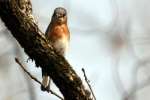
(59,16)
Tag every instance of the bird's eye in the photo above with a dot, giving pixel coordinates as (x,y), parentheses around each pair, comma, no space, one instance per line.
(57,15)
(64,15)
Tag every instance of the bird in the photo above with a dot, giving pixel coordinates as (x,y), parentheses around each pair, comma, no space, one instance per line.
(57,33)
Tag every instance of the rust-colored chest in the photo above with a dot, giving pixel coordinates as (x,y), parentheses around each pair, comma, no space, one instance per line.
(58,32)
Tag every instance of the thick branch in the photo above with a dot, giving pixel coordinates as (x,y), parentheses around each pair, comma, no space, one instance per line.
(17,16)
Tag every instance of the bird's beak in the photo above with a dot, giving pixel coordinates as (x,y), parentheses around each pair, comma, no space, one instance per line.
(61,19)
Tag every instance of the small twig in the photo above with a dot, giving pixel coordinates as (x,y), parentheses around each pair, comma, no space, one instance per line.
(35,79)
(87,81)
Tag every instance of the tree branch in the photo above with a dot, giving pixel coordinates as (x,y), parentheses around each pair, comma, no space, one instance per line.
(88,83)
(35,79)
(17,16)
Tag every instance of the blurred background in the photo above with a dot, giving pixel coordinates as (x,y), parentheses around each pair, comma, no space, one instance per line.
(109,38)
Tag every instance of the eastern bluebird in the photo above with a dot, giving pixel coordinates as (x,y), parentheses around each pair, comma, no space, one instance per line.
(58,35)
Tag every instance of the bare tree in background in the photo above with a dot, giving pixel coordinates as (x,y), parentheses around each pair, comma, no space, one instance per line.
(124,37)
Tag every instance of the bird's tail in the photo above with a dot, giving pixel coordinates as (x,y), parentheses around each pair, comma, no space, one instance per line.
(45,83)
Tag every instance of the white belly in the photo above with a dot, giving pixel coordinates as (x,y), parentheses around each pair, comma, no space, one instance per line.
(61,45)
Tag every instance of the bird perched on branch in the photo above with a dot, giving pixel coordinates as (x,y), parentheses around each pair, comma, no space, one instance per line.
(58,35)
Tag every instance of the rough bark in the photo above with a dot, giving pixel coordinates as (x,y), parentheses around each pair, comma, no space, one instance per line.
(17,16)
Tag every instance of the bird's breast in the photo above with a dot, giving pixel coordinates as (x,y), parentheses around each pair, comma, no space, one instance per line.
(60,38)
(60,31)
